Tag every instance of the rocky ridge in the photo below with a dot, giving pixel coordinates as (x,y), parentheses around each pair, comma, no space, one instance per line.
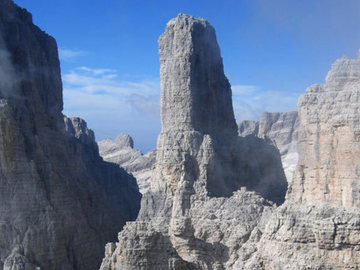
(183,224)
(121,151)
(280,130)
(59,201)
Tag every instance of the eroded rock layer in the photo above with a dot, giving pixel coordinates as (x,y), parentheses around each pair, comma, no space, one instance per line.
(121,151)
(59,202)
(280,130)
(309,236)
(329,142)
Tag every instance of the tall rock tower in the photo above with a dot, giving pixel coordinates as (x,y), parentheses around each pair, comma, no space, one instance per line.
(199,132)
(201,163)
(198,125)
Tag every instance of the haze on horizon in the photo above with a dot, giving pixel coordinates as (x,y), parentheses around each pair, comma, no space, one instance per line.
(272,51)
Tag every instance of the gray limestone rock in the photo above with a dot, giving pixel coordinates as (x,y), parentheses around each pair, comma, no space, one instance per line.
(329,142)
(194,211)
(280,130)
(188,219)
(309,236)
(121,151)
(196,110)
(248,127)
(59,201)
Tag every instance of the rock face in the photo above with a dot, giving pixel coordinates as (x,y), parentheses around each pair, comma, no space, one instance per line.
(329,142)
(280,130)
(196,215)
(248,127)
(309,236)
(121,151)
(59,202)
(196,111)
(188,219)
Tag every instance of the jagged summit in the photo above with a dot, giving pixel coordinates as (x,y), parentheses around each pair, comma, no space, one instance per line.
(187,19)
(344,70)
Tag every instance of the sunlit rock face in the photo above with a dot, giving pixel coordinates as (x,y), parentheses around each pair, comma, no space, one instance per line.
(59,202)
(318,225)
(196,107)
(329,142)
(121,151)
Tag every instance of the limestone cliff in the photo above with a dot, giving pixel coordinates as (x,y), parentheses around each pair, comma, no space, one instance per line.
(199,212)
(280,130)
(59,202)
(329,142)
(318,225)
(121,151)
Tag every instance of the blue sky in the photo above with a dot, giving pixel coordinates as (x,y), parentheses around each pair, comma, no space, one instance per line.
(272,51)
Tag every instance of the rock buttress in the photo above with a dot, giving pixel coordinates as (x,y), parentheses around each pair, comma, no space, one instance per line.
(56,209)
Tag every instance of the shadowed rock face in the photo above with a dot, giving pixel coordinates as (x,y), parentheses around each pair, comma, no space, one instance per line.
(329,142)
(121,151)
(279,130)
(59,202)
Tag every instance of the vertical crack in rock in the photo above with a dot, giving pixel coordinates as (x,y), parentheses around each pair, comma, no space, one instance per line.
(329,141)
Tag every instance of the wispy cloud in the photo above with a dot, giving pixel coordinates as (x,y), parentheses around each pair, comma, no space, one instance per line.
(70,55)
(97,85)
(243,89)
(99,71)
(112,105)
(250,101)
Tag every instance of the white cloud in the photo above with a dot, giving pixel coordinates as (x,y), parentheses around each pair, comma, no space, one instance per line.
(70,55)
(111,105)
(243,89)
(99,71)
(89,86)
(106,81)
(250,101)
